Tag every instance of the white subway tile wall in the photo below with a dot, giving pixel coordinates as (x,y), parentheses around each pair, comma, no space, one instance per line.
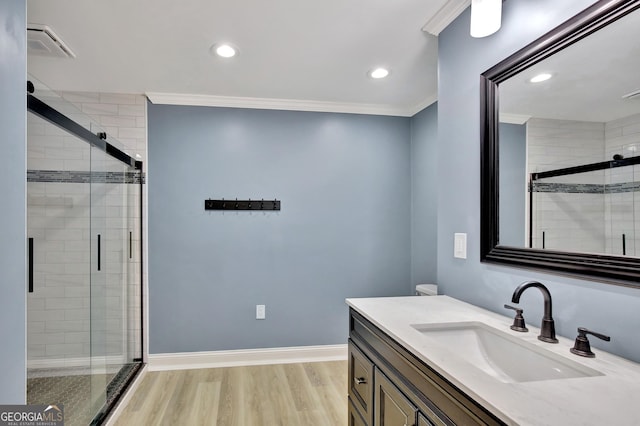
(61,310)
(574,221)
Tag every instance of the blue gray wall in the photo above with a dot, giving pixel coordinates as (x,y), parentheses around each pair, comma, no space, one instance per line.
(613,310)
(424,194)
(13,111)
(343,231)
(513,167)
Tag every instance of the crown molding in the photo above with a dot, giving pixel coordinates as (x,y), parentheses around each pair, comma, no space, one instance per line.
(422,105)
(285,104)
(513,118)
(447,13)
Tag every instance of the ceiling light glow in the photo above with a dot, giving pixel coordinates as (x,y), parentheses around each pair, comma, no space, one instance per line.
(540,78)
(224,50)
(486,17)
(379,73)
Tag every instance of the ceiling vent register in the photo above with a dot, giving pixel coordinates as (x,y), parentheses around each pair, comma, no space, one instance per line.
(42,40)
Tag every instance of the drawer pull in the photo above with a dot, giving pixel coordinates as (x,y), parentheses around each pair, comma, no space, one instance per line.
(361,381)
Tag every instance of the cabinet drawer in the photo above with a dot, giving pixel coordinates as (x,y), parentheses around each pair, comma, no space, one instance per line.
(361,382)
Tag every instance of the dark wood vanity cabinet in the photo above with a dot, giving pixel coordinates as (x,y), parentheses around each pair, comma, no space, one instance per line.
(355,419)
(422,421)
(392,408)
(361,383)
(389,386)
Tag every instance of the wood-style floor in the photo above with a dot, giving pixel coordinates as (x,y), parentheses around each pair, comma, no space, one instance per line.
(308,394)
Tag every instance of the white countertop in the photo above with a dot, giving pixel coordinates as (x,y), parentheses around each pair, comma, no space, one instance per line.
(610,399)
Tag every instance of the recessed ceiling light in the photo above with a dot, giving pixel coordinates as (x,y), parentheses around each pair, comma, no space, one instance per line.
(224,50)
(378,73)
(540,78)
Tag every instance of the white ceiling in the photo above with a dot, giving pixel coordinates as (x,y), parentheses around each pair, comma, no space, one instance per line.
(589,78)
(293,50)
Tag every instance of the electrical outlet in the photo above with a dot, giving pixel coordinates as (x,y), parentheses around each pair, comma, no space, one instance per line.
(261,312)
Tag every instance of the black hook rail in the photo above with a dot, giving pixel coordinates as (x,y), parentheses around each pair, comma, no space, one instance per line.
(265,205)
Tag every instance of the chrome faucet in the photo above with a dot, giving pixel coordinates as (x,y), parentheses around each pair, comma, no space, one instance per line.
(547,329)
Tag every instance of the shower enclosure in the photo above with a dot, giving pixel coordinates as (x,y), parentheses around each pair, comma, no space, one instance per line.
(84,227)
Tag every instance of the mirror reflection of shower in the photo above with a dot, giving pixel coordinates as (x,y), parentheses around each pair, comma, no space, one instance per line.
(584,200)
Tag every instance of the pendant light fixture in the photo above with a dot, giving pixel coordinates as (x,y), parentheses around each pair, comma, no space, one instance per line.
(486,17)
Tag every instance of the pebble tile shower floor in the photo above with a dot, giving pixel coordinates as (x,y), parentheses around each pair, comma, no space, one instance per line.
(72,390)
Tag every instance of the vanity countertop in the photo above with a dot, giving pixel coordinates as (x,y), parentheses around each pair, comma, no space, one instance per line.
(609,399)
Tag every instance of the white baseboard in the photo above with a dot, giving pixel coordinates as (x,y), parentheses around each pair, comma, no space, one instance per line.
(124,399)
(242,357)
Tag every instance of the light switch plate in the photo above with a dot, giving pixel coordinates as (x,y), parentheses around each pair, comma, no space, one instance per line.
(460,245)
(261,312)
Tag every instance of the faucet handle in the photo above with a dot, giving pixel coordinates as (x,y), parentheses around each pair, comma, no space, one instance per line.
(582,347)
(518,321)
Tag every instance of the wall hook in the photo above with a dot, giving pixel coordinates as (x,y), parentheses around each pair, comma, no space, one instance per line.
(222,204)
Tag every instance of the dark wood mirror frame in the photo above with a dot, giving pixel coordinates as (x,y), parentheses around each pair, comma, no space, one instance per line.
(612,269)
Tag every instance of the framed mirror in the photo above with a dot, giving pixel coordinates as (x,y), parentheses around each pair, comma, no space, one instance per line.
(560,158)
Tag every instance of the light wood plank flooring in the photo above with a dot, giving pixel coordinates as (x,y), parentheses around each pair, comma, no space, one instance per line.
(308,394)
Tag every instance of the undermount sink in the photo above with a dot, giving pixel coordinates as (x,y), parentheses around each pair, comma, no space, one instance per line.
(505,357)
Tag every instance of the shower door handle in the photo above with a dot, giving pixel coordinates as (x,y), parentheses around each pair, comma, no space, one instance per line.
(99,247)
(30,265)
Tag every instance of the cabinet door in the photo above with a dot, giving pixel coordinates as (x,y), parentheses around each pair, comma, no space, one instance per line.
(423,421)
(355,419)
(361,382)
(392,408)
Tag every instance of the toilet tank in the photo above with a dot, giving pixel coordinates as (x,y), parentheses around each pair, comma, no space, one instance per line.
(427,290)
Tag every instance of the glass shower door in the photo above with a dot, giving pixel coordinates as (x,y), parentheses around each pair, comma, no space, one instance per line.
(620,202)
(115,321)
(98,281)
(58,297)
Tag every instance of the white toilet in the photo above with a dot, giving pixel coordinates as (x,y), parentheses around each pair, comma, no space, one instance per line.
(427,290)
